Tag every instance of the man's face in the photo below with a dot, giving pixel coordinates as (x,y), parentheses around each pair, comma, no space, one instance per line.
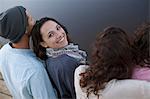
(31,22)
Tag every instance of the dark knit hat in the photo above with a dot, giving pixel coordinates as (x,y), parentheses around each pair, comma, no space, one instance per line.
(13,23)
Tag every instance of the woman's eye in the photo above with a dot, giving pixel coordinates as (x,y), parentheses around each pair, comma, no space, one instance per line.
(58,27)
(50,34)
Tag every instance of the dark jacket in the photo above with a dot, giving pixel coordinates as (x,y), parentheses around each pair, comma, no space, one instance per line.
(61,71)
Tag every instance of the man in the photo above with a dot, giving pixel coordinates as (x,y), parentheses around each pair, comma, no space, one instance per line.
(24,75)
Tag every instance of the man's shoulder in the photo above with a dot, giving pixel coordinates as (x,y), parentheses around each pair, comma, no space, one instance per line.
(4,50)
(32,61)
(4,47)
(32,66)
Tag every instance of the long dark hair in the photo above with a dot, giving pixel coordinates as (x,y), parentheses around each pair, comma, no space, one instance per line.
(37,37)
(111,59)
(141,45)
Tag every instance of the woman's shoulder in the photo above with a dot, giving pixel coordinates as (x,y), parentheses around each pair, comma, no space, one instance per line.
(81,68)
(62,63)
(135,89)
(141,73)
(60,57)
(132,83)
(62,60)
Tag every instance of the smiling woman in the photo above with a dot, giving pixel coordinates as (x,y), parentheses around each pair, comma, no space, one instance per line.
(53,35)
(51,43)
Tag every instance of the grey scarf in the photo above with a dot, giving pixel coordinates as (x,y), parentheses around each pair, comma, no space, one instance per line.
(71,50)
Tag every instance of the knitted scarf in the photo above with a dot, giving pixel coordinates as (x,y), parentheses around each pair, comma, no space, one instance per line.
(71,50)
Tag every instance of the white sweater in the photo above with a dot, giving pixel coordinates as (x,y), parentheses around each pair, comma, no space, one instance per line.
(115,89)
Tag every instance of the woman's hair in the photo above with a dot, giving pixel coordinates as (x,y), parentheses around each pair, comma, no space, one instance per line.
(141,45)
(37,37)
(111,59)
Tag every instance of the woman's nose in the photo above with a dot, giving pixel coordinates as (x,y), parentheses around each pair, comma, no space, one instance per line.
(59,35)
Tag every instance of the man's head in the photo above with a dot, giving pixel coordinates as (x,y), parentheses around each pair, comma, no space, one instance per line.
(14,23)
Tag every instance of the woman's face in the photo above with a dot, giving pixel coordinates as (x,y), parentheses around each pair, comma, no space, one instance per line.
(53,35)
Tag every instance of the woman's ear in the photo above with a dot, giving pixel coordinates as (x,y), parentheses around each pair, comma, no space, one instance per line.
(43,44)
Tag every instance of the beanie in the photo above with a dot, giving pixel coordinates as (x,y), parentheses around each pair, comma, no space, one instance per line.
(13,23)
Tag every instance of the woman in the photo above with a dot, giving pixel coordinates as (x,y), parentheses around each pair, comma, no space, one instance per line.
(141,50)
(106,77)
(52,44)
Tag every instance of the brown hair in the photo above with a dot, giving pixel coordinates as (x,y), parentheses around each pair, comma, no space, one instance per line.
(111,59)
(141,45)
(37,37)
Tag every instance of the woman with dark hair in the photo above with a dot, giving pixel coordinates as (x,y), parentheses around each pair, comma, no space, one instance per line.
(106,77)
(141,50)
(52,44)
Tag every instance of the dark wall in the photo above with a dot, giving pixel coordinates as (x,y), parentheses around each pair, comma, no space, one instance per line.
(85,18)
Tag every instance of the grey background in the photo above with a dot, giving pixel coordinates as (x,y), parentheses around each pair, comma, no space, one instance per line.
(85,18)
